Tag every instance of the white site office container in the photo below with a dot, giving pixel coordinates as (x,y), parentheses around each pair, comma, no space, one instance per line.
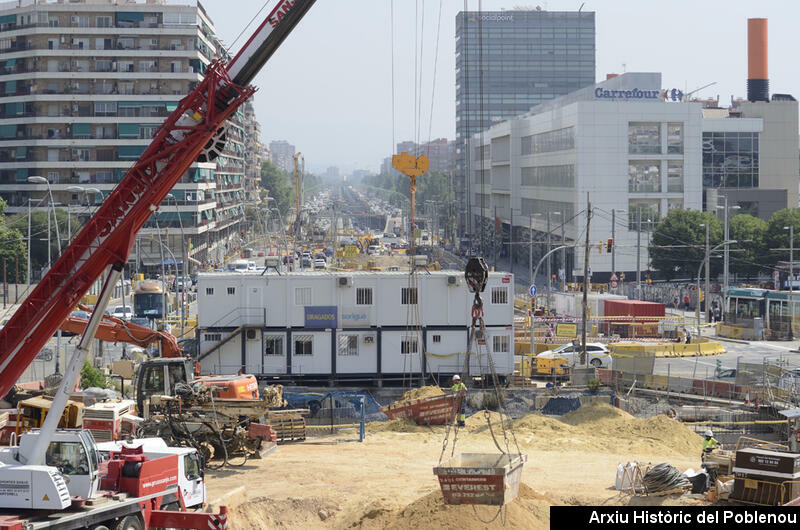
(347,324)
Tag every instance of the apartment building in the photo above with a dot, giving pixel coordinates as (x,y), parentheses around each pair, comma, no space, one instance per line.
(84,84)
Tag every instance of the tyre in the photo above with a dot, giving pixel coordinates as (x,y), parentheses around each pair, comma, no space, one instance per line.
(130,522)
(596,363)
(99,527)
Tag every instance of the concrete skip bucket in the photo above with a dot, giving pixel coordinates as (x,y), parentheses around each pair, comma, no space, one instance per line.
(477,478)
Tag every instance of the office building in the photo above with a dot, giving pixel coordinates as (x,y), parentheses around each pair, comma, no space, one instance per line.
(84,85)
(510,61)
(633,147)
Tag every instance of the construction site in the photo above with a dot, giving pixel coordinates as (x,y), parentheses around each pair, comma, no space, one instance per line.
(330,376)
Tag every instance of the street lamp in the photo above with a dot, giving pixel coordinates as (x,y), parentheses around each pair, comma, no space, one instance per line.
(185,259)
(790,228)
(725,237)
(86,191)
(700,268)
(35,179)
(549,267)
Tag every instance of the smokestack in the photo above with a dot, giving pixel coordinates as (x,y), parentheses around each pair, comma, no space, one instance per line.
(757,77)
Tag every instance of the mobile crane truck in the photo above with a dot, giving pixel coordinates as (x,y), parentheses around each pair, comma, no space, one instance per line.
(52,479)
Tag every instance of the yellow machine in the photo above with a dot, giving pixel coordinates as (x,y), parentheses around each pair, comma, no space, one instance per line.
(32,412)
(554,366)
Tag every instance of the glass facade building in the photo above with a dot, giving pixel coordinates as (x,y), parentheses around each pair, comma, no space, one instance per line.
(510,61)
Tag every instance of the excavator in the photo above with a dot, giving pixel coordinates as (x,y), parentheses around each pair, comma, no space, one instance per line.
(194,131)
(159,375)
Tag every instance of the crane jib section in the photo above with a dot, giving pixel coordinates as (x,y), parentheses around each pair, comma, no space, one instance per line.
(109,235)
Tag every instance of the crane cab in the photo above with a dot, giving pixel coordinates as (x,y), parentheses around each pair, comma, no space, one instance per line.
(72,452)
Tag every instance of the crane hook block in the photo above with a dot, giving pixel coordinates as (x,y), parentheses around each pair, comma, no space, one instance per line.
(477,274)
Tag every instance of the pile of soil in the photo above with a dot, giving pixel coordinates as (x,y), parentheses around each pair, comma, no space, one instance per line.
(529,510)
(263,512)
(401,425)
(419,393)
(599,426)
(477,422)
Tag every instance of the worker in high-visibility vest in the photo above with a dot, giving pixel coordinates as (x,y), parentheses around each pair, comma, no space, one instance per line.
(458,386)
(709,444)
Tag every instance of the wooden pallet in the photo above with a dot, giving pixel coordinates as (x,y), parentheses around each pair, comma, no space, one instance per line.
(288,427)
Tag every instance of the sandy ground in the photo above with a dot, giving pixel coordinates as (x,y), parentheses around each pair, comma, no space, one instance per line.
(387,481)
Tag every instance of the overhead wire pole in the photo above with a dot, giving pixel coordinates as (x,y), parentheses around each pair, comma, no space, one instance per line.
(584,357)
(638,252)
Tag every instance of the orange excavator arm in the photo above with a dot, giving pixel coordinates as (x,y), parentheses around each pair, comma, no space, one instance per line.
(113,329)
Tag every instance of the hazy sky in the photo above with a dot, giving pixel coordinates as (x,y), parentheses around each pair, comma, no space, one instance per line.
(328,89)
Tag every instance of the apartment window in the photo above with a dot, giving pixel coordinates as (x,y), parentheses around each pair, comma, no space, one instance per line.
(500,344)
(125,43)
(436,339)
(176,67)
(5,44)
(304,345)
(302,296)
(674,138)
(364,296)
(408,295)
(81,22)
(213,337)
(348,344)
(147,131)
(644,176)
(209,291)
(102,65)
(103,22)
(231,291)
(675,176)
(499,295)
(408,345)
(53,176)
(273,345)
(105,108)
(147,66)
(644,138)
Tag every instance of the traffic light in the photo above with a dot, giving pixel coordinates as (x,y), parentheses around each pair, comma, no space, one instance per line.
(609,245)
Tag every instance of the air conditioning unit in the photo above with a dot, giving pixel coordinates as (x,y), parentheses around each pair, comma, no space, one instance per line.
(345,281)
(453,281)
(369,339)
(251,334)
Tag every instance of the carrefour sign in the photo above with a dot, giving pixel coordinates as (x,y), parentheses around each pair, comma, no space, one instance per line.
(638,94)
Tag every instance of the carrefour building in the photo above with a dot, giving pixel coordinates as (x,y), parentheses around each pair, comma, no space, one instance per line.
(637,150)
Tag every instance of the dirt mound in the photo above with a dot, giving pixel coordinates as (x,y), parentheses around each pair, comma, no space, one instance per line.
(528,510)
(403,425)
(419,393)
(262,512)
(594,411)
(601,427)
(477,422)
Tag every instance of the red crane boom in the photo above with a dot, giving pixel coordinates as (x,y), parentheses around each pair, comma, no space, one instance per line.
(106,240)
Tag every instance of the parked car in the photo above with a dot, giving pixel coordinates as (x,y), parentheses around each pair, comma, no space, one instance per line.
(183,284)
(599,356)
(320,263)
(122,311)
(726,374)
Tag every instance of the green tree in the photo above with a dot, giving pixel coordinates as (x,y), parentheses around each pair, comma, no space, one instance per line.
(752,256)
(13,250)
(39,230)
(277,183)
(92,377)
(777,237)
(678,243)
